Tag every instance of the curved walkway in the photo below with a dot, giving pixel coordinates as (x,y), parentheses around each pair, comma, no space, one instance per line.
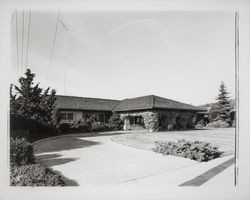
(96,160)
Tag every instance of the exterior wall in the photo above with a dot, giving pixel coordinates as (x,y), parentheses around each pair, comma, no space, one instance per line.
(161,119)
(78,115)
(178,119)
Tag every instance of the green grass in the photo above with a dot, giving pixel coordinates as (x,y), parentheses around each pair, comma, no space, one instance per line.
(223,138)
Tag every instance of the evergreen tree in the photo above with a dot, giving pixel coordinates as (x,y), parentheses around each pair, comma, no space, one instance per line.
(31,103)
(221,109)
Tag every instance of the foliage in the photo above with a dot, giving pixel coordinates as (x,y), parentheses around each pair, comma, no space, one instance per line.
(99,126)
(199,151)
(35,130)
(64,127)
(200,124)
(115,122)
(30,105)
(84,125)
(151,119)
(34,175)
(170,127)
(21,152)
(218,124)
(221,110)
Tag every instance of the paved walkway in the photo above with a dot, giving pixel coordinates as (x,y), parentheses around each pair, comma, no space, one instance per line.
(99,161)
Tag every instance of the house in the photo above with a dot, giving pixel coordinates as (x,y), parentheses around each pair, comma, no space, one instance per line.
(72,108)
(150,112)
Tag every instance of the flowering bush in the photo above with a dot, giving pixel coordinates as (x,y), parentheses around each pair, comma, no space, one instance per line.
(199,151)
(170,127)
(115,122)
(34,175)
(21,152)
(218,124)
(99,126)
(84,125)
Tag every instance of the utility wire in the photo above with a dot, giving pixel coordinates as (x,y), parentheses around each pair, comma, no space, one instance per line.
(64,45)
(17,46)
(54,41)
(12,19)
(22,43)
(28,41)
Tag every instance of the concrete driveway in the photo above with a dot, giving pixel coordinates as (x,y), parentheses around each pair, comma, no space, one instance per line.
(97,161)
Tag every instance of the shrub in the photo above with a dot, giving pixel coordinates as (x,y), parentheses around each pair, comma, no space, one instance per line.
(115,122)
(64,127)
(21,152)
(34,175)
(99,126)
(199,151)
(218,124)
(84,125)
(170,127)
(200,124)
(234,123)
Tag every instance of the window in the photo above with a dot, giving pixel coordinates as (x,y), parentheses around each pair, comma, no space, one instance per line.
(136,120)
(70,116)
(66,116)
(85,115)
(63,116)
(107,116)
(101,117)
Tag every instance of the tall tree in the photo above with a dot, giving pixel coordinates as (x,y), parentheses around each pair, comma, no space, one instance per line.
(30,102)
(222,108)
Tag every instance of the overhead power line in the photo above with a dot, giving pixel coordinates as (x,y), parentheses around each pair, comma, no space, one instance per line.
(12,19)
(64,45)
(22,42)
(28,41)
(17,46)
(54,41)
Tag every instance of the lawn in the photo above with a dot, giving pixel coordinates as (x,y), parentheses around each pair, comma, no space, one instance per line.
(223,138)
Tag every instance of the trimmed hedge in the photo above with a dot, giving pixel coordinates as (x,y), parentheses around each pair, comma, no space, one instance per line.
(199,151)
(34,175)
(21,152)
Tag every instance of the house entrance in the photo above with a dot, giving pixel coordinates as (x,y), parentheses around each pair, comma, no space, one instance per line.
(136,122)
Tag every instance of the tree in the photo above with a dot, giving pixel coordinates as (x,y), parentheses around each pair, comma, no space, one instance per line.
(220,110)
(31,103)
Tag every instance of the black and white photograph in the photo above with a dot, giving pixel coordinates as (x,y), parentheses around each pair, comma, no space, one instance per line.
(124,99)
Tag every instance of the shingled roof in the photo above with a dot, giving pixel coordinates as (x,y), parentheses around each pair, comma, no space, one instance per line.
(139,103)
(83,103)
(152,101)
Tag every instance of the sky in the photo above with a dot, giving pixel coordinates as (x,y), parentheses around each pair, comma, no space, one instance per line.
(182,56)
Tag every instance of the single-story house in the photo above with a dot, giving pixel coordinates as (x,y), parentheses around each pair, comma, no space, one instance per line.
(150,112)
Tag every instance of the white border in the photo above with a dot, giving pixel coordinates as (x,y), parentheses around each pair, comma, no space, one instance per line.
(239,192)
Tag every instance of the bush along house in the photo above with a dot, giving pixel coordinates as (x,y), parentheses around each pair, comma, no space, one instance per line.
(147,112)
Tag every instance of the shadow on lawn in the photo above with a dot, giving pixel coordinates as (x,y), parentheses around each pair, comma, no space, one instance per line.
(62,144)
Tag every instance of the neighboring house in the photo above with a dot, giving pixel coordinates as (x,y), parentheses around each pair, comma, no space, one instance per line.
(151,112)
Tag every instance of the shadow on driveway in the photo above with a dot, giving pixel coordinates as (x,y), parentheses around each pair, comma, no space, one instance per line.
(61,144)
(50,160)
